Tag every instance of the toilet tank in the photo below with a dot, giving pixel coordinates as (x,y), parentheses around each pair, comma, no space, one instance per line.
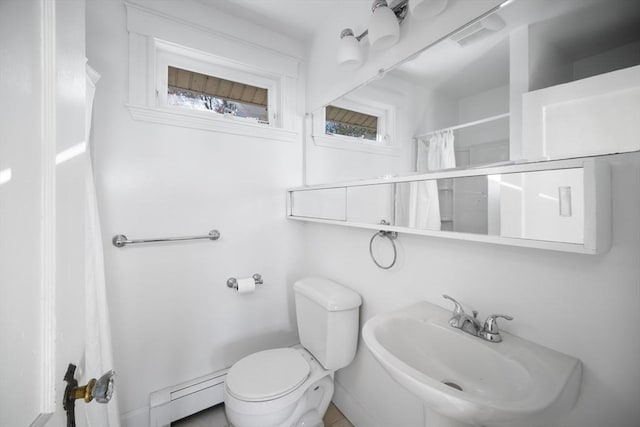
(328,320)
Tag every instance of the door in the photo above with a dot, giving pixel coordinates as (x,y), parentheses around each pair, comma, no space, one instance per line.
(42,82)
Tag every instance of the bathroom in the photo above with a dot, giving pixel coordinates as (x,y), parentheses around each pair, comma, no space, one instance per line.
(172,317)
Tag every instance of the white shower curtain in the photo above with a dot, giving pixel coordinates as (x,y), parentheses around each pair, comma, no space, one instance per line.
(98,347)
(419,204)
(441,152)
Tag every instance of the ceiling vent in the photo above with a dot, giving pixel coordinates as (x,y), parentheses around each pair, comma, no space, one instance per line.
(478,30)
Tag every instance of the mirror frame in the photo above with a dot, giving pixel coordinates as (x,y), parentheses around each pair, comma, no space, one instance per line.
(597,199)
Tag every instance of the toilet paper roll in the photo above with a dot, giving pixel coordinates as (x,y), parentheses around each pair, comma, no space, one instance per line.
(246,285)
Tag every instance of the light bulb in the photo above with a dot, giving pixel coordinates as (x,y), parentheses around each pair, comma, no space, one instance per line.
(384,30)
(424,9)
(349,52)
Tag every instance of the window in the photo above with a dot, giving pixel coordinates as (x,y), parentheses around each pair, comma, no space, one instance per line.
(356,123)
(208,80)
(341,121)
(224,90)
(188,89)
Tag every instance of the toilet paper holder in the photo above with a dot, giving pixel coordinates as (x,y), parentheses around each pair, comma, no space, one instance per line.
(232,282)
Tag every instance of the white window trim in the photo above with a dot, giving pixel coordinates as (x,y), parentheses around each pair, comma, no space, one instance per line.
(149,57)
(204,120)
(385,143)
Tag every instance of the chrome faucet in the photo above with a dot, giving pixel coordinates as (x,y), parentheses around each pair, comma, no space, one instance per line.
(471,325)
(461,320)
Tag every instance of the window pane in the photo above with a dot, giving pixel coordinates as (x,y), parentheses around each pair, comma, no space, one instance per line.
(340,121)
(197,91)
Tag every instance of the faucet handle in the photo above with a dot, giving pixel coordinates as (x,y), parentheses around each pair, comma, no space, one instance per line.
(457,309)
(491,324)
(490,331)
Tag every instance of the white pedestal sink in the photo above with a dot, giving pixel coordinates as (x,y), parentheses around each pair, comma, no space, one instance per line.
(466,381)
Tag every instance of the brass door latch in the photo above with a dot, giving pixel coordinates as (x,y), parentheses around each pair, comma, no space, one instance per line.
(101,390)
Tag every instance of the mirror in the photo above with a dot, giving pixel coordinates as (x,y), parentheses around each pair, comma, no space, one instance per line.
(328,203)
(554,203)
(542,205)
(535,80)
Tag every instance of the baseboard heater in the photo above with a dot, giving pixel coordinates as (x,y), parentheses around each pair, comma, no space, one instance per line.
(179,401)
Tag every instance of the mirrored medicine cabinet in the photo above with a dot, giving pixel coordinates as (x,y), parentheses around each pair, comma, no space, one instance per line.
(547,88)
(559,205)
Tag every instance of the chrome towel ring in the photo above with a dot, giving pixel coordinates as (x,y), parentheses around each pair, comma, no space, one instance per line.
(391,235)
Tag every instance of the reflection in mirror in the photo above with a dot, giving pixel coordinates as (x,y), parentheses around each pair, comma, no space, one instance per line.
(354,124)
(368,204)
(326,203)
(371,204)
(450,204)
(546,205)
(543,205)
(535,80)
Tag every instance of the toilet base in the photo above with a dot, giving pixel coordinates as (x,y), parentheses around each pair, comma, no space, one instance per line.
(292,410)
(304,411)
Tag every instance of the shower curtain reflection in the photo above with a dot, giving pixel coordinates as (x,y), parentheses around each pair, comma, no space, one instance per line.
(418,203)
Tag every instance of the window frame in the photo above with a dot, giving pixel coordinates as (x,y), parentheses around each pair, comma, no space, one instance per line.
(151,30)
(358,108)
(186,59)
(385,134)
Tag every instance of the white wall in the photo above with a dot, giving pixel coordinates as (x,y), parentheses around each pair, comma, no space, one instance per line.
(173,317)
(441,111)
(585,306)
(485,104)
(488,142)
(615,59)
(548,65)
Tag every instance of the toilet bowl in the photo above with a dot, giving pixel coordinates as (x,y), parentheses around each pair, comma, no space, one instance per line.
(292,387)
(279,395)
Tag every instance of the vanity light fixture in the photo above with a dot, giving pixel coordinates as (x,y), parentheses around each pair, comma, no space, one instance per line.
(349,51)
(384,28)
(383,32)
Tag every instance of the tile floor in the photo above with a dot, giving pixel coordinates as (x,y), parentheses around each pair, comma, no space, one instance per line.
(334,418)
(214,417)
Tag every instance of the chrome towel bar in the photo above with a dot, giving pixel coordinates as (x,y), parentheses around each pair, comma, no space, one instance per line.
(121,240)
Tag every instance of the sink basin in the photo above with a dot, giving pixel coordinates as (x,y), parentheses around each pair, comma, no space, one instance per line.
(464,380)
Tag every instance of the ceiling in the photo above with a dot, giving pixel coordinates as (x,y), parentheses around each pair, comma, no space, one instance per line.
(298,19)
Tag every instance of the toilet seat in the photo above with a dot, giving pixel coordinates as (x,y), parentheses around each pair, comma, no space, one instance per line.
(267,375)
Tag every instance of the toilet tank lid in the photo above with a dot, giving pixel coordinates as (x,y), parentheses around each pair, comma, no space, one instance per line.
(328,294)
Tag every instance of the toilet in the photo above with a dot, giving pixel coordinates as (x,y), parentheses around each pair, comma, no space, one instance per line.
(293,386)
